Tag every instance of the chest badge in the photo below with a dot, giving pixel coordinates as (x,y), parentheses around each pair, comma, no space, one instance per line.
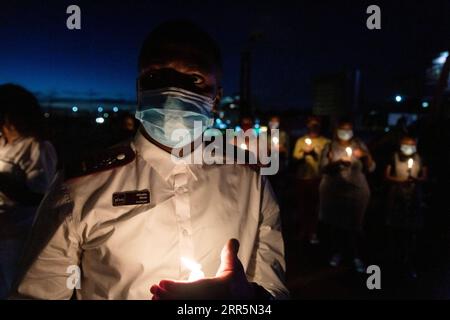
(130,198)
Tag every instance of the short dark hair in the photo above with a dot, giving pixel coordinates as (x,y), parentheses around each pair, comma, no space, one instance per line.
(347,119)
(20,107)
(407,137)
(180,33)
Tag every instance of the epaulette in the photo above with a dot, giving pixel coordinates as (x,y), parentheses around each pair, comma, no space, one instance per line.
(103,160)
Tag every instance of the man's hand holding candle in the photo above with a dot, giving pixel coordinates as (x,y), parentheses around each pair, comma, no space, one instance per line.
(230,282)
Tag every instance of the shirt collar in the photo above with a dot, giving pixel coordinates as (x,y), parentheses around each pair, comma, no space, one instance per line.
(160,159)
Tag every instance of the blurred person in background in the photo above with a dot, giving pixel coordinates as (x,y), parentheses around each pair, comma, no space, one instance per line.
(281,143)
(307,152)
(405,173)
(246,127)
(246,123)
(27,166)
(127,127)
(344,192)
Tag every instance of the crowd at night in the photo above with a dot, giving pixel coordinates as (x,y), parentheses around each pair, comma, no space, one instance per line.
(353,100)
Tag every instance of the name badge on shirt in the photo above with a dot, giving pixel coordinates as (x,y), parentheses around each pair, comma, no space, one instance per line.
(130,198)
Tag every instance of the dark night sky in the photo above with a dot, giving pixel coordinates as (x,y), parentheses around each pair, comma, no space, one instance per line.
(300,40)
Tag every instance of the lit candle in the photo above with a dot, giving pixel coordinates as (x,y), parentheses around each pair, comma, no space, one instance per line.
(196,269)
(410,165)
(275,140)
(349,151)
(243,146)
(308,141)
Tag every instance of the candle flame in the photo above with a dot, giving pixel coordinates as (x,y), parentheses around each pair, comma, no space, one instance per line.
(196,269)
(275,140)
(308,141)
(349,151)
(410,163)
(243,146)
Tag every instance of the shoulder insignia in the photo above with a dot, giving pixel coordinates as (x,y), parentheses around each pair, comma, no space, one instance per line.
(101,161)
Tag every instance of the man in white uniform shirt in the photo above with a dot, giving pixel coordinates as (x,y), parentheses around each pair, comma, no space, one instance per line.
(128,216)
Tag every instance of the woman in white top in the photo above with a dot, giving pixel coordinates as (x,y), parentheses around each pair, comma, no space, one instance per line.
(344,191)
(405,173)
(27,166)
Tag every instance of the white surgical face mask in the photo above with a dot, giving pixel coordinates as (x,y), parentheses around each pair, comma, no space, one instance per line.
(408,149)
(344,135)
(174,117)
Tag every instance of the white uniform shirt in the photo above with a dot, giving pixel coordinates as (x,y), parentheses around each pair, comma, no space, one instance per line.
(28,161)
(123,250)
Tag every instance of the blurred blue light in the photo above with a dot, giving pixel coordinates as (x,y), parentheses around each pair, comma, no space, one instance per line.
(115,109)
(425,104)
(442,58)
(218,121)
(100,109)
(398,98)
(237,128)
(100,120)
(74,108)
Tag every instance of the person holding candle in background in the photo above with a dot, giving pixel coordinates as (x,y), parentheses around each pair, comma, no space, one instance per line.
(139,224)
(405,174)
(344,192)
(307,151)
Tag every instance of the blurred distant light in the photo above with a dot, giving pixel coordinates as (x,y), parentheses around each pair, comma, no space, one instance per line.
(237,128)
(74,108)
(425,104)
(398,98)
(228,121)
(232,106)
(221,114)
(263,129)
(100,109)
(222,126)
(227,100)
(47,115)
(243,146)
(442,58)
(105,115)
(116,109)
(218,121)
(386,129)
(256,126)
(100,120)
